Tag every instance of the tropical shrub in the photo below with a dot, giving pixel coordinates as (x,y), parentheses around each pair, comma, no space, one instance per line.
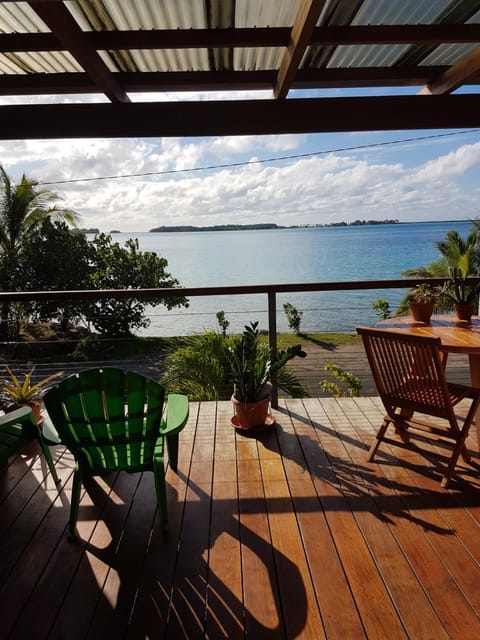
(381,308)
(294,317)
(350,385)
(208,366)
(223,322)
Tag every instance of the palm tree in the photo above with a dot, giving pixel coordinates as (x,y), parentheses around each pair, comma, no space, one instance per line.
(458,255)
(23,209)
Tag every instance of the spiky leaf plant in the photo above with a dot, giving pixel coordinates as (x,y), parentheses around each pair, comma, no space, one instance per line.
(14,391)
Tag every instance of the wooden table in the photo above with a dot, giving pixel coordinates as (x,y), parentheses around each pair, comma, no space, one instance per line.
(456,337)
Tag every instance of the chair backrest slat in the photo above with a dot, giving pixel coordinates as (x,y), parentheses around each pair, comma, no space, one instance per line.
(408,371)
(108,417)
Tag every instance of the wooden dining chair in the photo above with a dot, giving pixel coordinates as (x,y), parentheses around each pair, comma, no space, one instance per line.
(410,379)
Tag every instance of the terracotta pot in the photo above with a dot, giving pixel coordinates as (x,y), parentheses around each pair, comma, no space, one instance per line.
(421,311)
(36,406)
(251,415)
(464,311)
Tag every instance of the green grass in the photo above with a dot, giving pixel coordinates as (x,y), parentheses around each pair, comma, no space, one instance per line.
(327,340)
(105,349)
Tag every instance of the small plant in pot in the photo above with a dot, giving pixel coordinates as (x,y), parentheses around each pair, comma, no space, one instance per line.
(251,366)
(422,301)
(463,294)
(15,393)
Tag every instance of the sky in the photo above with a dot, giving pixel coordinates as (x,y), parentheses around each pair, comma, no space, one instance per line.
(284,179)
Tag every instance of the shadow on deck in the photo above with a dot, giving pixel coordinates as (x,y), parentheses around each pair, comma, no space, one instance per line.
(291,535)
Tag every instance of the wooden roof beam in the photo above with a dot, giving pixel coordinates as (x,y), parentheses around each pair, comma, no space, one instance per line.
(455,76)
(244,117)
(302,30)
(249,37)
(60,21)
(143,81)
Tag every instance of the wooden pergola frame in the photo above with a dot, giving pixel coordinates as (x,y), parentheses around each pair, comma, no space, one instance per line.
(123,117)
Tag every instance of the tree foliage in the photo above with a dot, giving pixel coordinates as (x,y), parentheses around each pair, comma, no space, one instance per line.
(59,259)
(24,207)
(457,256)
(39,252)
(117,267)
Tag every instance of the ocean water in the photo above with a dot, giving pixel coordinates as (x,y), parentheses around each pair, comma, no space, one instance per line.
(324,254)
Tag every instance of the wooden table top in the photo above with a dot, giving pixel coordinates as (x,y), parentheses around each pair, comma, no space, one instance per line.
(456,336)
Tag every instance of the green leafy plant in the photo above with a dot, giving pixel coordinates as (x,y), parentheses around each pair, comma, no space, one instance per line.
(252,365)
(294,317)
(223,322)
(458,289)
(424,292)
(381,308)
(208,366)
(16,392)
(352,384)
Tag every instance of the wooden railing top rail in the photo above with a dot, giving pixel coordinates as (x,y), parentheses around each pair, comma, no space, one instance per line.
(145,294)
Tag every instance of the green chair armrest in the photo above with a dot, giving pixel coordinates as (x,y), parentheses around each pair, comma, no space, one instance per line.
(49,432)
(22,414)
(177,414)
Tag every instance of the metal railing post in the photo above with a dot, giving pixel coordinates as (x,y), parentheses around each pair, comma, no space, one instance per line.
(272,341)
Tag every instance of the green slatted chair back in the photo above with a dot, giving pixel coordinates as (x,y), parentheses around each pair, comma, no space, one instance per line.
(111,420)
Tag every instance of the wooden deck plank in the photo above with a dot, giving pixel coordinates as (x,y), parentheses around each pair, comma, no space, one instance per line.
(50,590)
(414,608)
(151,609)
(372,598)
(98,560)
(425,540)
(333,594)
(289,535)
(224,615)
(300,610)
(187,614)
(26,555)
(127,555)
(296,440)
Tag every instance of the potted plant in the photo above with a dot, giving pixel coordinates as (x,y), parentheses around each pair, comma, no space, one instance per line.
(251,367)
(463,294)
(422,299)
(15,393)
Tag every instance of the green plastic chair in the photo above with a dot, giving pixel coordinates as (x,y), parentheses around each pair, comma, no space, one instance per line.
(17,429)
(111,420)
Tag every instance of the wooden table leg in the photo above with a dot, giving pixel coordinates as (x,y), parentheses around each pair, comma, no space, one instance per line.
(474,360)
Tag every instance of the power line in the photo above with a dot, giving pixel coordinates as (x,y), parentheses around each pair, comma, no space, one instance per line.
(262,161)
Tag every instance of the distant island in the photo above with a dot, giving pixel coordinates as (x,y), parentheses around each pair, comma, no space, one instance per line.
(92,230)
(266,225)
(219,227)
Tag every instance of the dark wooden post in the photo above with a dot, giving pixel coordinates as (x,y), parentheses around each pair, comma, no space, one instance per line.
(272,341)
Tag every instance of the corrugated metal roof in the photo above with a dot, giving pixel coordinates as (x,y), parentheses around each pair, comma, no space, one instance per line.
(145,15)
(124,47)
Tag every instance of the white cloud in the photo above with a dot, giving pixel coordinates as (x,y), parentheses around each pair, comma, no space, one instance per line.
(454,163)
(310,190)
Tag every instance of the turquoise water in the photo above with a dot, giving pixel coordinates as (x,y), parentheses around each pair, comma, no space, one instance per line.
(288,256)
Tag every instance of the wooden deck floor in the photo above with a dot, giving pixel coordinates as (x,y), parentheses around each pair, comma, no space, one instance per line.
(291,535)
